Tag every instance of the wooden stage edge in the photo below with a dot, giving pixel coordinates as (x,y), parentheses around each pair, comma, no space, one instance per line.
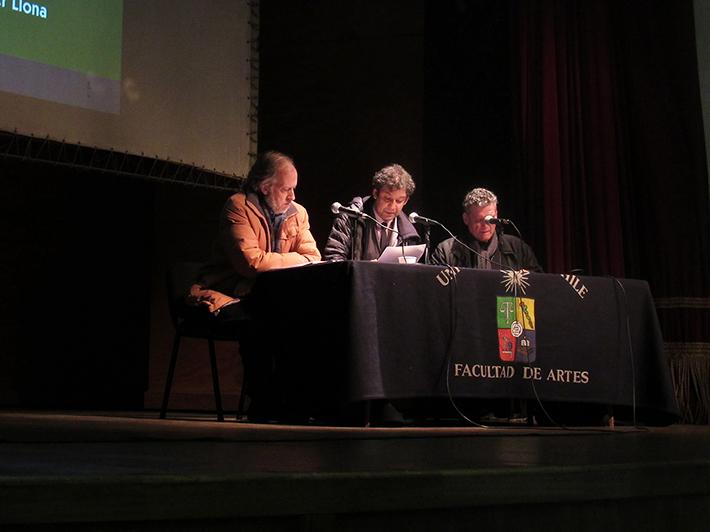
(132,471)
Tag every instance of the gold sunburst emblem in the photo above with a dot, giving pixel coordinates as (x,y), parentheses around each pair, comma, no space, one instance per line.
(515,279)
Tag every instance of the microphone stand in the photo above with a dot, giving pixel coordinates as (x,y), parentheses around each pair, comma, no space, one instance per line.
(427,243)
(353,232)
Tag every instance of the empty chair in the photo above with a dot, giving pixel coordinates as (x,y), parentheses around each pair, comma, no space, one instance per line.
(196,322)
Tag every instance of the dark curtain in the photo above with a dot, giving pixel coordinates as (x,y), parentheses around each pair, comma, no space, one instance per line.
(611,163)
(568,134)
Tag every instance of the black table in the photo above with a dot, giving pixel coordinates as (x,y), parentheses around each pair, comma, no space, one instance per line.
(342,333)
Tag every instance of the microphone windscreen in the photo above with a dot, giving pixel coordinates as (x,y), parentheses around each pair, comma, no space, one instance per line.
(335,207)
(413,217)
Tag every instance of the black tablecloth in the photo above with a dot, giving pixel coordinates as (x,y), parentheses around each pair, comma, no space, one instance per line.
(357,331)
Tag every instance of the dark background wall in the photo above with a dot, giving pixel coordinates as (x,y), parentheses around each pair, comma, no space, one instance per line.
(467,101)
(76,257)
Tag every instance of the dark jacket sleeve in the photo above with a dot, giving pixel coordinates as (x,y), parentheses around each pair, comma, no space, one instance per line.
(529,261)
(441,254)
(337,247)
(339,243)
(517,254)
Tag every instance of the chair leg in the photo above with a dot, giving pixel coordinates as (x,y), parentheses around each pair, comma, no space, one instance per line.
(241,409)
(215,381)
(171,373)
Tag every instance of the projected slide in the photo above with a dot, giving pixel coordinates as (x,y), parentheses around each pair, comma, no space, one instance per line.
(65,51)
(171,79)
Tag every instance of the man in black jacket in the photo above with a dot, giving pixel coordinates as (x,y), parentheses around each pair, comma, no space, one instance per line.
(484,247)
(362,239)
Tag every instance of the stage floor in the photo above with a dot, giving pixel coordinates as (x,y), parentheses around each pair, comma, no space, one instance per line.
(106,471)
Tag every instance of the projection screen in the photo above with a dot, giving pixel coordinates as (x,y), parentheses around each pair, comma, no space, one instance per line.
(168,79)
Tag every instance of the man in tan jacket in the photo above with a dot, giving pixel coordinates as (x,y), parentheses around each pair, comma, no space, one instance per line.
(260,228)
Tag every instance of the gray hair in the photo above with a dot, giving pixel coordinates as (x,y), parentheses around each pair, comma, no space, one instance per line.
(265,168)
(394,177)
(479,197)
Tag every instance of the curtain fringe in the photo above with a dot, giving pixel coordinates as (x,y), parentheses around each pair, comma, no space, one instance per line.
(690,371)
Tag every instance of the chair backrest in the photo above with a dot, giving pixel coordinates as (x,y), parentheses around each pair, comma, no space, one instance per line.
(180,276)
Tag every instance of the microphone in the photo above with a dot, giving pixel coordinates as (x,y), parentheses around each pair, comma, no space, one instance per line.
(495,221)
(416,219)
(337,208)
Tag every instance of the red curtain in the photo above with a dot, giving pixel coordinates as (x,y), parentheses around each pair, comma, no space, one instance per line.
(612,165)
(568,133)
